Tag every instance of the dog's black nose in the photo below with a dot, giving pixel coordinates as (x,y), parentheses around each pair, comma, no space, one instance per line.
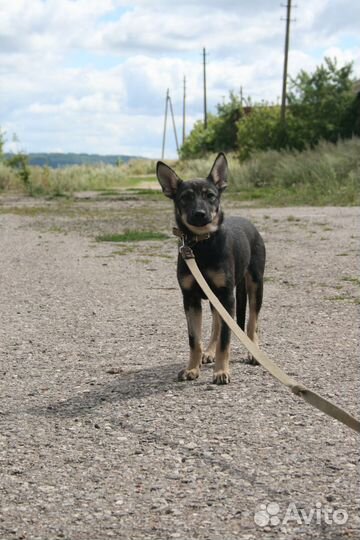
(199,217)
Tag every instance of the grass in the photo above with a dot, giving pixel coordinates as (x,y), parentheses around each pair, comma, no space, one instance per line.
(343,298)
(350,279)
(132,236)
(326,175)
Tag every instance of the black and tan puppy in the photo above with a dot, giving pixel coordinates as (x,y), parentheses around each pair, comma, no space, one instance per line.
(230,254)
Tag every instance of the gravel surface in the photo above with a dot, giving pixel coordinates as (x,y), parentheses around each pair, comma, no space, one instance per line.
(97,438)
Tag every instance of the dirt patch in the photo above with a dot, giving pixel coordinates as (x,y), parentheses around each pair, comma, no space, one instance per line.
(99,441)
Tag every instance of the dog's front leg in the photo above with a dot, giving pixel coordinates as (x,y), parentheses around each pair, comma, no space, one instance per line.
(192,306)
(222,356)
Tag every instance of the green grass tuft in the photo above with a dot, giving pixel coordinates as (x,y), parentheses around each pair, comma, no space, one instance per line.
(132,236)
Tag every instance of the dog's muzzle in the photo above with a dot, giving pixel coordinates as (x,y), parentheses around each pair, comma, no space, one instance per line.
(200,218)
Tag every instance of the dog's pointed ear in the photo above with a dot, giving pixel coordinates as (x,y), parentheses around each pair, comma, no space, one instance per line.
(168,179)
(219,172)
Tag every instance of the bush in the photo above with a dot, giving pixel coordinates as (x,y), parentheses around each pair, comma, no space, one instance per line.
(327,174)
(323,103)
(259,130)
(220,134)
(8,178)
(321,106)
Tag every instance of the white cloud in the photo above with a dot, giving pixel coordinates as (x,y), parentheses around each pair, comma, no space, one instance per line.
(91,76)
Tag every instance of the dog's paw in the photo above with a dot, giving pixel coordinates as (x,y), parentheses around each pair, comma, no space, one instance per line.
(251,360)
(188,374)
(207,358)
(221,377)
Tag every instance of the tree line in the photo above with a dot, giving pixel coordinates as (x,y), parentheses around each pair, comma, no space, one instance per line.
(320,106)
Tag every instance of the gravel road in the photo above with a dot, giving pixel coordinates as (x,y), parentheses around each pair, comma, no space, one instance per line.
(97,438)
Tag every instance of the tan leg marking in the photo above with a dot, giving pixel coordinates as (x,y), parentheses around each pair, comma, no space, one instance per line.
(221,369)
(218,278)
(209,354)
(192,371)
(187,282)
(252,325)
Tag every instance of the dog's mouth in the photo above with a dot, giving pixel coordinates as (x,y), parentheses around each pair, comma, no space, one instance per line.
(200,220)
(202,224)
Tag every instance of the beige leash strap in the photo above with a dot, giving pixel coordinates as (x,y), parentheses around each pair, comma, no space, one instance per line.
(311,397)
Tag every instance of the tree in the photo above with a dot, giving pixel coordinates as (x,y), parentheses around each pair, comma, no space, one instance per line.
(323,103)
(2,142)
(259,130)
(220,134)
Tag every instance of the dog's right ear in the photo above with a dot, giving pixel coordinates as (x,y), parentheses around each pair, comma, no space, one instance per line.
(168,179)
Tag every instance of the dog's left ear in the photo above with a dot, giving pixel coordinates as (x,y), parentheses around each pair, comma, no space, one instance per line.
(168,179)
(219,172)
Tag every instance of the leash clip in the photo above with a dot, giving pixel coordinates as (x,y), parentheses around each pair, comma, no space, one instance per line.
(185,251)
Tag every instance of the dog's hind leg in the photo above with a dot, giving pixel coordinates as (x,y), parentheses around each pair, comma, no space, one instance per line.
(254,291)
(192,306)
(209,354)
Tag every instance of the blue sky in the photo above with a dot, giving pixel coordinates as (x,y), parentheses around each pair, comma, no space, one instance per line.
(91,76)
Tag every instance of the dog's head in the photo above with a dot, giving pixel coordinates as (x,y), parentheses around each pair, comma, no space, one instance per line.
(197,202)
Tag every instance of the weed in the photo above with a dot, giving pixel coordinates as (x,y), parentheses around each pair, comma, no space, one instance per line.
(343,298)
(351,279)
(132,236)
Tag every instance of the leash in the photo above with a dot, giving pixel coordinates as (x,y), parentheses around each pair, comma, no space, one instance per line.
(314,399)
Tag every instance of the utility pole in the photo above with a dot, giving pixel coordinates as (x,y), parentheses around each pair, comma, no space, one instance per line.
(184,112)
(173,122)
(165,122)
(286,54)
(168,104)
(205,105)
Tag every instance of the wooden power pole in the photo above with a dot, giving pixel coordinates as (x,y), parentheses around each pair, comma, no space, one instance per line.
(168,104)
(286,54)
(184,112)
(205,104)
(173,123)
(165,122)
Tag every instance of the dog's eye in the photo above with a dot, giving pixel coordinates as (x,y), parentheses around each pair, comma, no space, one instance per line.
(211,196)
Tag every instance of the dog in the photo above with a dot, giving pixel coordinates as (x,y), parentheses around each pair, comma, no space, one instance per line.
(230,253)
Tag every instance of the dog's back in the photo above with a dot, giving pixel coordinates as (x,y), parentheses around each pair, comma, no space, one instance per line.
(247,246)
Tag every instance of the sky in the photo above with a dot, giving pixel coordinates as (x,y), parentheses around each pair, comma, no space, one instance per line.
(91,75)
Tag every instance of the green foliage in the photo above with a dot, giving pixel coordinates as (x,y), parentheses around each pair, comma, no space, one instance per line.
(7,177)
(2,142)
(327,174)
(323,104)
(220,134)
(260,129)
(19,162)
(132,236)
